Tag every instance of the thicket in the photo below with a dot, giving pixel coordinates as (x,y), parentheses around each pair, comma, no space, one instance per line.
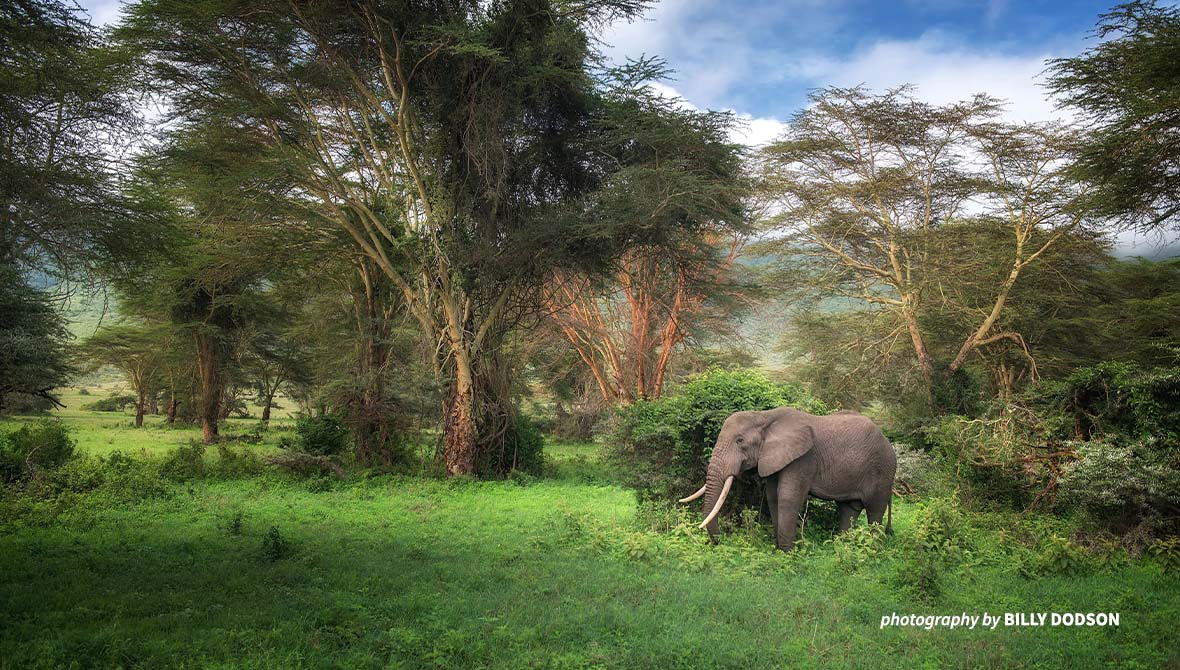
(1103,442)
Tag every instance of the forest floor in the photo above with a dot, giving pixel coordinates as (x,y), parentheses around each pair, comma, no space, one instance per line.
(272,571)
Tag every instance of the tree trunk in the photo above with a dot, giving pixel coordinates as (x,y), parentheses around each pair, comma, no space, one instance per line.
(210,387)
(173,405)
(459,440)
(266,409)
(140,401)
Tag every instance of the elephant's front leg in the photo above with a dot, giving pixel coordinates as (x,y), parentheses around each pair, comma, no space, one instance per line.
(790,494)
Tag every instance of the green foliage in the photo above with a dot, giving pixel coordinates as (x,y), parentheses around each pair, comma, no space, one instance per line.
(1167,552)
(859,547)
(33,337)
(984,454)
(33,449)
(275,547)
(1056,556)
(114,403)
(1127,88)
(522,449)
(1114,398)
(318,435)
(663,446)
(184,463)
(1122,484)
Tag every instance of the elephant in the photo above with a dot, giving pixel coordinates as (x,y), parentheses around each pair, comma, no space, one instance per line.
(842,457)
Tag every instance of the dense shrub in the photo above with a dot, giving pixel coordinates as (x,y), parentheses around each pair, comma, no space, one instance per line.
(115,403)
(1113,398)
(32,449)
(989,454)
(1123,485)
(523,449)
(184,463)
(663,446)
(323,435)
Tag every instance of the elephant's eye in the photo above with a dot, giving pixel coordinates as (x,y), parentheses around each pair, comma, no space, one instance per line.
(740,439)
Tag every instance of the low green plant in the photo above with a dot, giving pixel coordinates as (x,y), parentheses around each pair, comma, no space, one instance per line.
(318,435)
(1166,551)
(275,547)
(1056,556)
(858,546)
(184,463)
(34,449)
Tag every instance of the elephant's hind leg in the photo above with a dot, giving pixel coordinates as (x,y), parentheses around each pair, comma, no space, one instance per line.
(849,512)
(875,509)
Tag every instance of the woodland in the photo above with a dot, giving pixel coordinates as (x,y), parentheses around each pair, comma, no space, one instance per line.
(387,334)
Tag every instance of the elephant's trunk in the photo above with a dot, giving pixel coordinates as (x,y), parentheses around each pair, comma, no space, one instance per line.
(722,470)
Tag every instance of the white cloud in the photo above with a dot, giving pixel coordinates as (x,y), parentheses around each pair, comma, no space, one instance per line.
(751,131)
(945,72)
(757,131)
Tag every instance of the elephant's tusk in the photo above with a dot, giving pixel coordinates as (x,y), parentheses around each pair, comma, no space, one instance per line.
(720,502)
(694,496)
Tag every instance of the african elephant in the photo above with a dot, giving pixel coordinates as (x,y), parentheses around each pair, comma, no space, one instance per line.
(842,457)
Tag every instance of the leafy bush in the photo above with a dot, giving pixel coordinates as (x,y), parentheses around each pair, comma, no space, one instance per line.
(274,546)
(26,452)
(323,435)
(1113,398)
(236,463)
(523,449)
(664,446)
(989,454)
(115,403)
(917,471)
(1122,485)
(184,463)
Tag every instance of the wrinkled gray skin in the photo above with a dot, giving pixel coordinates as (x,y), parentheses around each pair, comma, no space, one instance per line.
(842,457)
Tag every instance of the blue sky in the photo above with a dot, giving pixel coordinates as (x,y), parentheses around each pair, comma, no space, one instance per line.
(759,58)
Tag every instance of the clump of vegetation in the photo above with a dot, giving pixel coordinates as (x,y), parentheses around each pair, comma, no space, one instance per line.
(663,446)
(275,547)
(33,449)
(320,435)
(522,449)
(185,463)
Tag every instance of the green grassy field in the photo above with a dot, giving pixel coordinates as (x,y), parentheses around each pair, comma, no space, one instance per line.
(270,571)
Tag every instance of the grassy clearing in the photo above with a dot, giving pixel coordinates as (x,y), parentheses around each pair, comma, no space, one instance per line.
(554,572)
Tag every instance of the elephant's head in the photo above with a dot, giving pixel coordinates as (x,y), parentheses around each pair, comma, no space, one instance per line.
(768,441)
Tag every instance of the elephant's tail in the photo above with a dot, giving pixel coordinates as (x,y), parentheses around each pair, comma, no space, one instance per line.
(889,513)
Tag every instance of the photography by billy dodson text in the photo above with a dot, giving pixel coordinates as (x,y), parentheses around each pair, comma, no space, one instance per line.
(988,621)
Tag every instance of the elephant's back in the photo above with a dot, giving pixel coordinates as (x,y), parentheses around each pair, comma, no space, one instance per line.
(852,440)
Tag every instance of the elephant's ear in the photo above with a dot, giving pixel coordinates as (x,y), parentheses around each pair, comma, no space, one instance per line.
(783,442)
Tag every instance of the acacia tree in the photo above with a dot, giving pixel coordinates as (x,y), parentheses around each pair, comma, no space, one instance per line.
(137,351)
(1128,90)
(677,172)
(448,139)
(870,187)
